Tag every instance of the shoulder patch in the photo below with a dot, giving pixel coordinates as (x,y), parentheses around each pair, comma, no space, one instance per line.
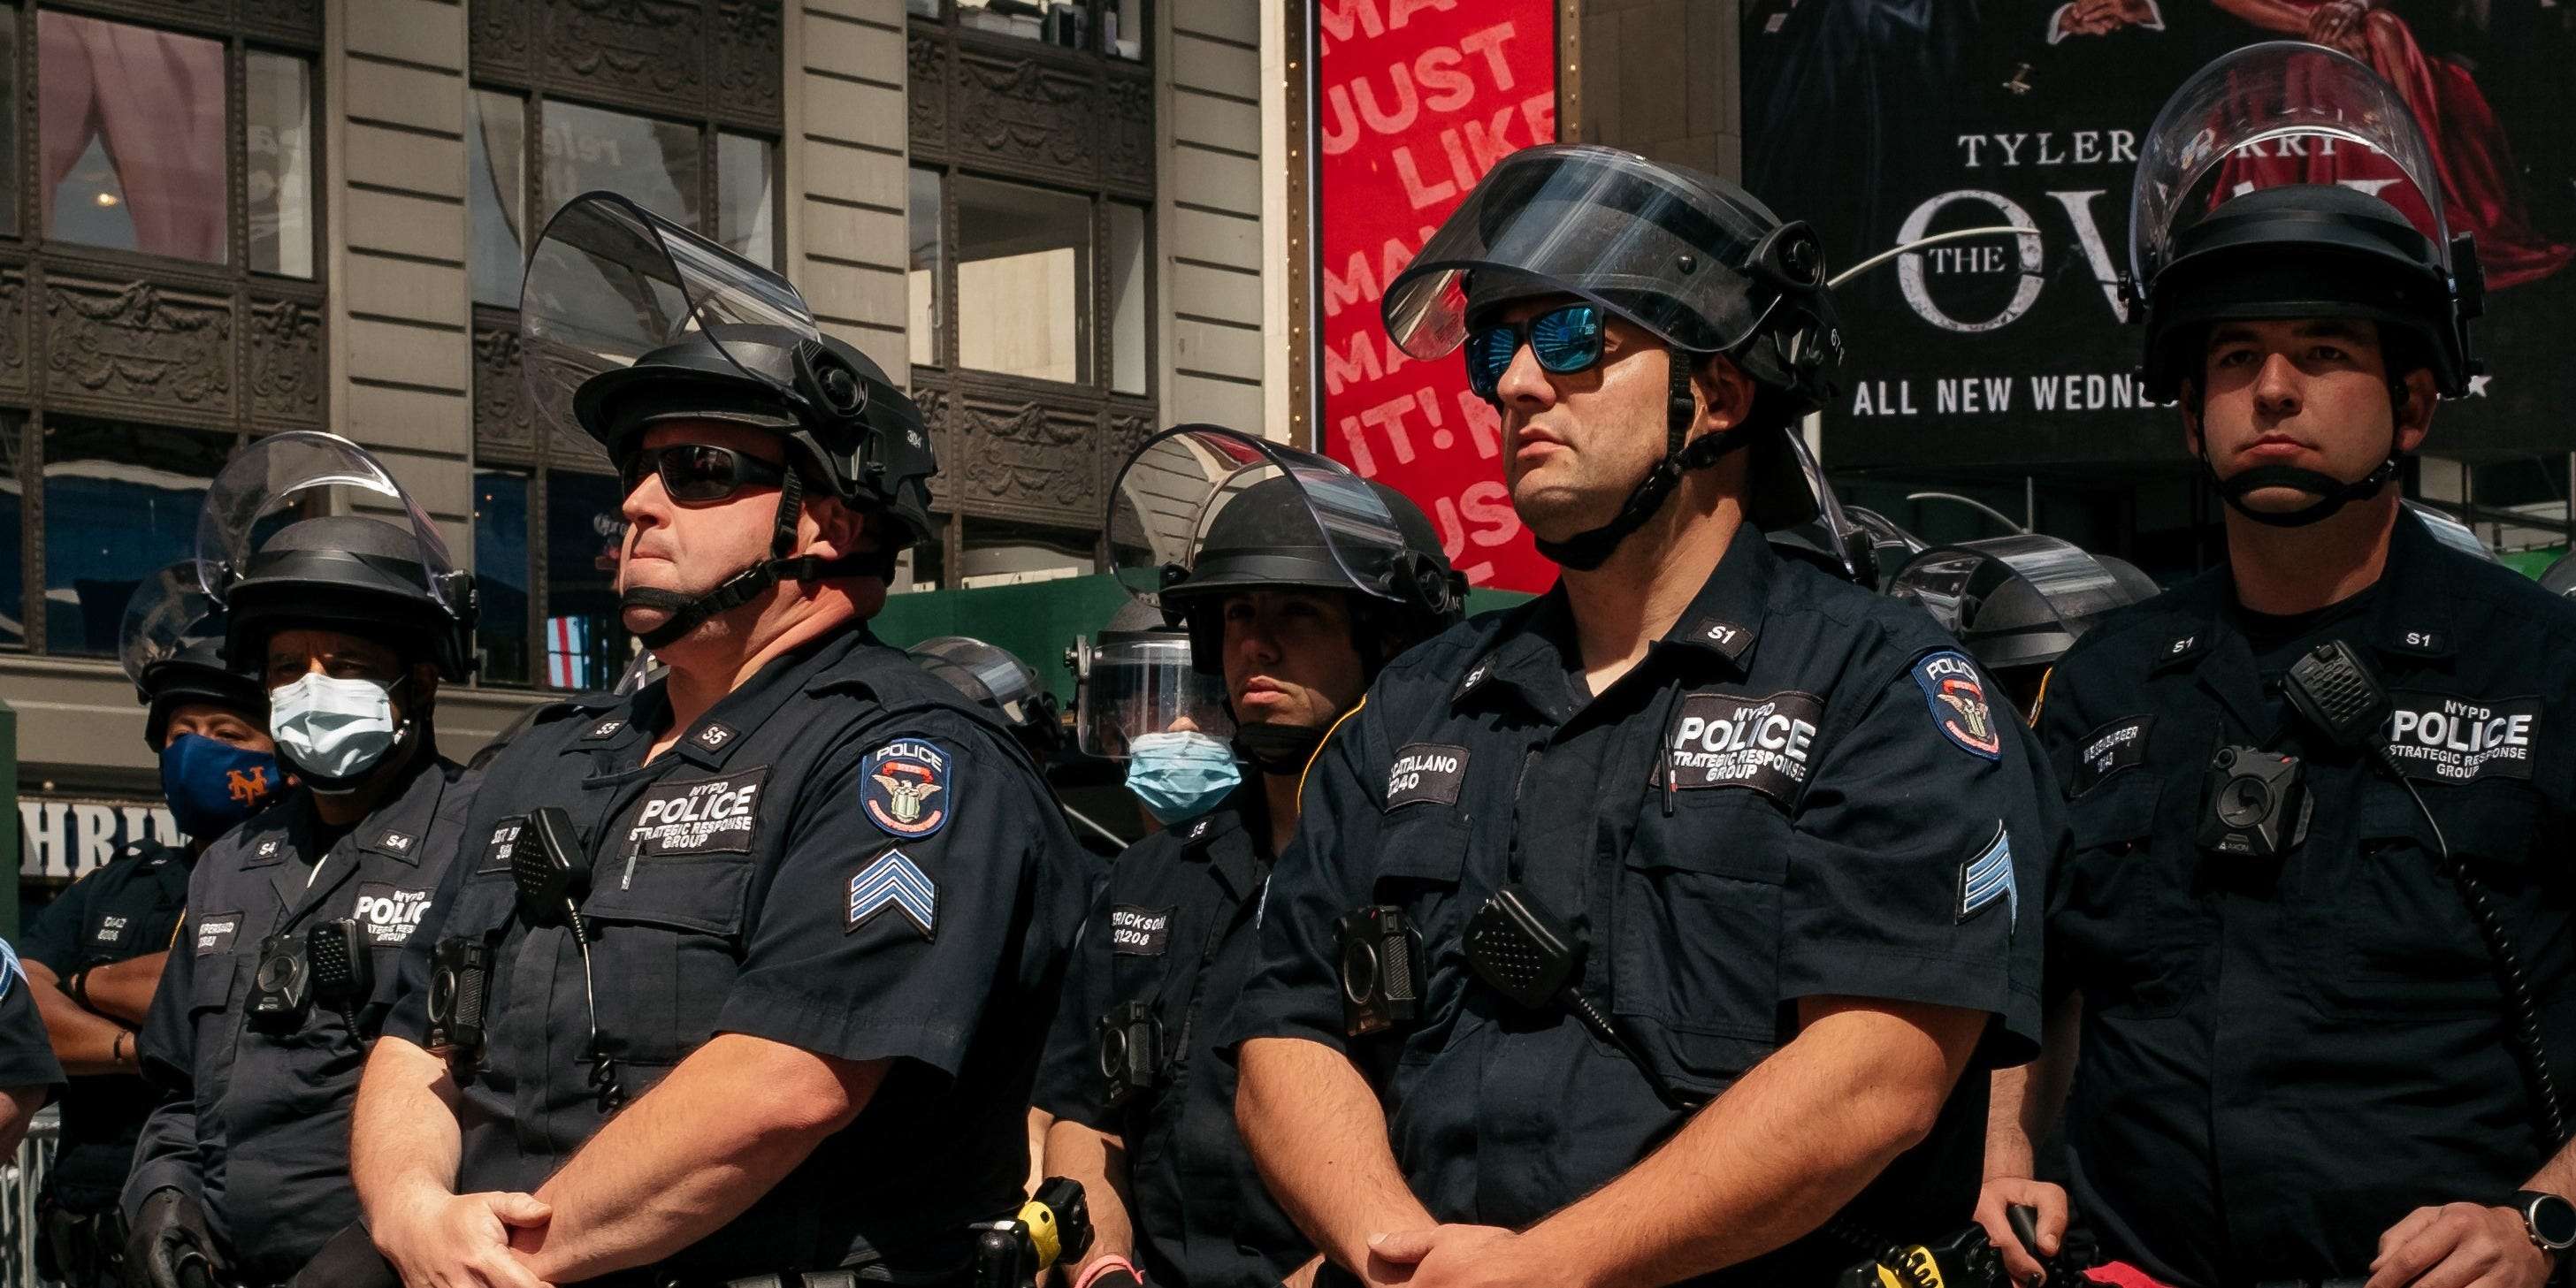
(1734,740)
(1956,694)
(1426,771)
(1988,879)
(2439,738)
(1140,932)
(2121,744)
(909,787)
(894,881)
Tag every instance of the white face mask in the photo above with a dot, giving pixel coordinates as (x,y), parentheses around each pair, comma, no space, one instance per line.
(332,728)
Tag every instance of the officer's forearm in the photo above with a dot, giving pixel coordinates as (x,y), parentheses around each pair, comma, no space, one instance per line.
(1099,1161)
(17,1106)
(1317,1134)
(1784,1149)
(2025,1101)
(123,990)
(84,1043)
(2558,1176)
(692,1154)
(1040,1123)
(403,1136)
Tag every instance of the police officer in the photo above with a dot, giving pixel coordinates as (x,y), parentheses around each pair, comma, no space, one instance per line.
(1144,1102)
(2311,952)
(95,954)
(2018,602)
(28,1071)
(745,973)
(283,967)
(1714,864)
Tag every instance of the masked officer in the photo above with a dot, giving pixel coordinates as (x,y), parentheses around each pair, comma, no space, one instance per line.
(95,954)
(745,973)
(28,1071)
(283,966)
(2018,602)
(1643,931)
(1219,529)
(2312,946)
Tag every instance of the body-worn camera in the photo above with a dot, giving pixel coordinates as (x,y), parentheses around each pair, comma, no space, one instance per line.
(335,952)
(1131,1051)
(460,987)
(2256,804)
(1381,956)
(281,992)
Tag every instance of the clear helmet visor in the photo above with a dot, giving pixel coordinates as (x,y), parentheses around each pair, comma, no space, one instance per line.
(1179,485)
(610,281)
(169,614)
(1952,582)
(1141,682)
(987,675)
(2272,115)
(306,474)
(1596,222)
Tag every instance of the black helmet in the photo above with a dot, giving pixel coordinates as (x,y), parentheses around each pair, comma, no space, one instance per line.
(627,318)
(2237,214)
(1693,259)
(172,647)
(2018,602)
(1201,511)
(385,579)
(991,678)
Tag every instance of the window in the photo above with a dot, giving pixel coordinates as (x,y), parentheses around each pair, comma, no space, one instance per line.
(120,503)
(1029,298)
(1001,553)
(136,152)
(1112,27)
(586,646)
(929,337)
(501,581)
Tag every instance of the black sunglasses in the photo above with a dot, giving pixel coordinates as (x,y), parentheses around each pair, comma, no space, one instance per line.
(697,474)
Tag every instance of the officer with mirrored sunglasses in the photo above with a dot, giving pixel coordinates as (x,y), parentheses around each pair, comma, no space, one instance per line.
(742,976)
(284,965)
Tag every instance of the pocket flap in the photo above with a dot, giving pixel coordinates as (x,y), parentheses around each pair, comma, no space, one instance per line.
(704,895)
(2122,809)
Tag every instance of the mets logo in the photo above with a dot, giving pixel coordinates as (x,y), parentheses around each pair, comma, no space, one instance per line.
(247,787)
(1957,696)
(908,787)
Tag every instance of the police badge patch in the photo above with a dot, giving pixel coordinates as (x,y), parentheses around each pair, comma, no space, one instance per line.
(1957,696)
(908,787)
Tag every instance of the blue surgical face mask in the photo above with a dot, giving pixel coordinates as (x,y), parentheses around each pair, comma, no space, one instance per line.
(212,786)
(1180,775)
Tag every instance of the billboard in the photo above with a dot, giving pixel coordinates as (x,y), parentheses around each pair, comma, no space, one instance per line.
(1414,100)
(1884,121)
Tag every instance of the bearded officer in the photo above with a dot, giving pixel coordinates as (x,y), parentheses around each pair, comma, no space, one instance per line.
(95,954)
(283,967)
(744,974)
(1719,866)
(1143,1099)
(2312,950)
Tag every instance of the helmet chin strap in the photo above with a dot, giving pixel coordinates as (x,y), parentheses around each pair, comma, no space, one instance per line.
(1585,551)
(688,612)
(2332,493)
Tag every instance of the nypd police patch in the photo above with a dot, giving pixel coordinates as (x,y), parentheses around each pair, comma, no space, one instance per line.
(895,881)
(908,787)
(1957,696)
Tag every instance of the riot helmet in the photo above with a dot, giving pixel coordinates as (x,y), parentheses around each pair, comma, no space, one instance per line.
(2450,531)
(628,320)
(1137,679)
(2239,213)
(1000,683)
(1200,512)
(2018,602)
(2560,578)
(1694,260)
(171,646)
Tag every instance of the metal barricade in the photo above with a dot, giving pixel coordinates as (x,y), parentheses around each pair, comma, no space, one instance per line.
(19,1183)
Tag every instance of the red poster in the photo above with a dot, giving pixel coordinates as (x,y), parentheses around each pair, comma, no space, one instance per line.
(1415,100)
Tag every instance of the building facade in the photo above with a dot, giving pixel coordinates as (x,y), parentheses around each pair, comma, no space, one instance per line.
(1051,219)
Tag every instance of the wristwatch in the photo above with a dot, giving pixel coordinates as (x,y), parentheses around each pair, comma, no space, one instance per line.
(2549,1219)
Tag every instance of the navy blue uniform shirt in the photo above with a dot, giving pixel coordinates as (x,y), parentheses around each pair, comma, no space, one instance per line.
(1803,790)
(127,908)
(255,1124)
(842,856)
(26,1055)
(1172,929)
(2279,1061)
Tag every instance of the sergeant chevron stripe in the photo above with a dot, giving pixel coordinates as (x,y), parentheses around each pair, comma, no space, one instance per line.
(1989,877)
(896,882)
